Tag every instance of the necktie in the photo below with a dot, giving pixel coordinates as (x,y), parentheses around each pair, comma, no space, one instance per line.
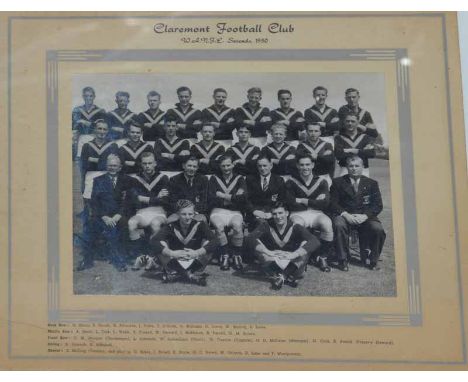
(355,186)
(264,184)
(114,180)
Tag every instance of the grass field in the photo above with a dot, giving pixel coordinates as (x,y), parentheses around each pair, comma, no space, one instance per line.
(103,279)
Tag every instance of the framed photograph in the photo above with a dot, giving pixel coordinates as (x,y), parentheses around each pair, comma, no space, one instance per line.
(219,191)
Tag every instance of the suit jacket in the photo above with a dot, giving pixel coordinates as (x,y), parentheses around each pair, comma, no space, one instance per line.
(107,200)
(367,200)
(197,193)
(264,200)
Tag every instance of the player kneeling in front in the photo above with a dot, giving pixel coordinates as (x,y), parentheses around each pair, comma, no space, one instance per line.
(185,246)
(282,247)
(226,196)
(308,196)
(148,200)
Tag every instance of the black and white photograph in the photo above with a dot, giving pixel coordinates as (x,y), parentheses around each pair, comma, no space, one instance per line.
(232,184)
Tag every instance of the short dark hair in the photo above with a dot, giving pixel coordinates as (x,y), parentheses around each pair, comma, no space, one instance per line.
(284,91)
(170,118)
(219,90)
(121,93)
(351,114)
(317,88)
(264,155)
(303,155)
(184,89)
(224,157)
(147,154)
(191,157)
(254,90)
(279,204)
(88,89)
(351,90)
(249,128)
(153,93)
(135,123)
(313,125)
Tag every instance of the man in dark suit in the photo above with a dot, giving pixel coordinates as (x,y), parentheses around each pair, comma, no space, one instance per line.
(109,219)
(264,190)
(355,202)
(189,185)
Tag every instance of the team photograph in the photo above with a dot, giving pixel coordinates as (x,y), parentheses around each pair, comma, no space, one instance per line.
(239,184)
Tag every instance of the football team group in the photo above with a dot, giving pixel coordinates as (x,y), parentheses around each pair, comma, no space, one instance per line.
(275,189)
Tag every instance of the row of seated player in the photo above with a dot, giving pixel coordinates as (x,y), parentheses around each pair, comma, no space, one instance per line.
(133,212)
(171,151)
(223,118)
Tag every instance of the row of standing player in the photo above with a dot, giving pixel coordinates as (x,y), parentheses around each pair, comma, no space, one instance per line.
(223,118)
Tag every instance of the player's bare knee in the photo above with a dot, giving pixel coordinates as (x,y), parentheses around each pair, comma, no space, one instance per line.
(298,220)
(238,228)
(218,227)
(325,224)
(133,224)
(156,225)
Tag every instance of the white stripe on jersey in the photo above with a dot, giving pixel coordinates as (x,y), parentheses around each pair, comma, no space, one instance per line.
(282,242)
(277,153)
(207,154)
(240,154)
(352,143)
(123,119)
(168,146)
(182,116)
(227,190)
(154,120)
(252,117)
(307,190)
(220,116)
(135,154)
(320,115)
(89,115)
(311,149)
(98,150)
(148,186)
(186,240)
